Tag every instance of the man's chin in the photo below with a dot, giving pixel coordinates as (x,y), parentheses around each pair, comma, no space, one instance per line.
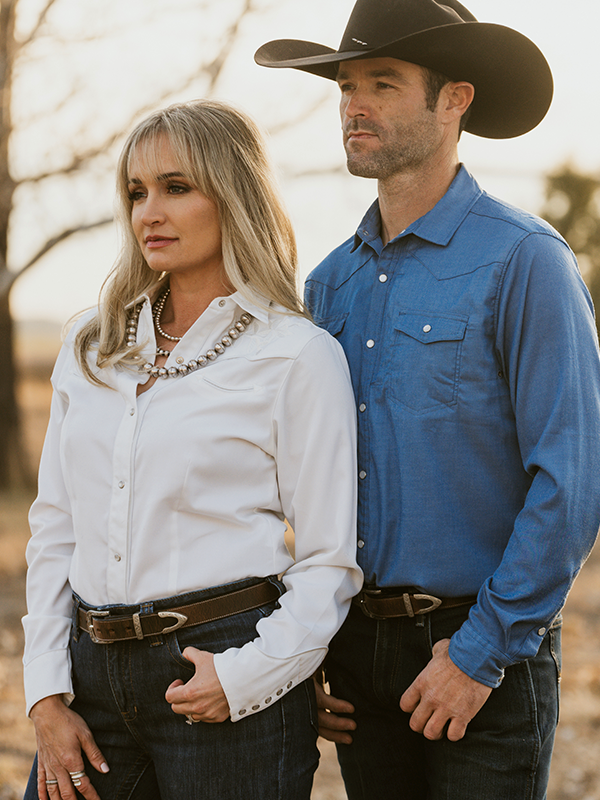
(362,168)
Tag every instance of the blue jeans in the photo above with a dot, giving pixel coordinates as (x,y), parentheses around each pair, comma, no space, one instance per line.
(505,754)
(154,754)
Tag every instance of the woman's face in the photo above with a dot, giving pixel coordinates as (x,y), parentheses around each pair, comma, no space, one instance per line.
(177,227)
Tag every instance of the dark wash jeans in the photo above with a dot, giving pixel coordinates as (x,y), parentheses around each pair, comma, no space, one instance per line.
(505,754)
(154,754)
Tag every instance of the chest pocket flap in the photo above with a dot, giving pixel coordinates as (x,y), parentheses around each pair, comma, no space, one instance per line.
(333,325)
(426,328)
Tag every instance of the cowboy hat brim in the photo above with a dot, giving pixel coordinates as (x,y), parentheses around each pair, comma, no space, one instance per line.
(513,82)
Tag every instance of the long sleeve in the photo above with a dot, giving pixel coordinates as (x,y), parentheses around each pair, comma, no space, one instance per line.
(314,428)
(47,664)
(547,345)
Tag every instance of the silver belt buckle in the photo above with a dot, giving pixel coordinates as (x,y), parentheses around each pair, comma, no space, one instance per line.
(435,603)
(89,622)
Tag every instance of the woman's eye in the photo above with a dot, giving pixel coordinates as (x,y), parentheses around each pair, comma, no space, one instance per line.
(136,194)
(177,188)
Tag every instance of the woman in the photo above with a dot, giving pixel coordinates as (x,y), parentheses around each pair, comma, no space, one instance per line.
(193,412)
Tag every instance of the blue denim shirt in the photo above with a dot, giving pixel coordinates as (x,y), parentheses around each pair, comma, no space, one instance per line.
(474,359)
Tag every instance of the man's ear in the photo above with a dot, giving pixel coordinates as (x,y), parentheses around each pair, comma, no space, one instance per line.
(456,99)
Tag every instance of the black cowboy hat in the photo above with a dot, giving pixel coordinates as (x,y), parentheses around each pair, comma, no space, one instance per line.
(512,79)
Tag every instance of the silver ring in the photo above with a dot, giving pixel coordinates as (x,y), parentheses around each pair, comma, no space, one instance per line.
(52,782)
(190,719)
(75,776)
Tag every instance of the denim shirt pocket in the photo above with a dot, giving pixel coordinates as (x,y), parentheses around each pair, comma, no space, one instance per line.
(424,366)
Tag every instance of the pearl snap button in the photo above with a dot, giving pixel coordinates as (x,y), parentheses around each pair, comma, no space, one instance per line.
(370,343)
(362,474)
(382,278)
(542,631)
(426,328)
(360,544)
(121,485)
(221,303)
(362,407)
(117,557)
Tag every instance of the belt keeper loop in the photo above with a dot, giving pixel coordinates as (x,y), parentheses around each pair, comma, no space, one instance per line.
(137,627)
(408,604)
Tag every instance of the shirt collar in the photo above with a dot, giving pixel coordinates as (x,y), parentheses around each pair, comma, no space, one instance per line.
(250,301)
(437,226)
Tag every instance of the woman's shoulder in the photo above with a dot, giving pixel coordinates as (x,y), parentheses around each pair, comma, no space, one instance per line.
(290,333)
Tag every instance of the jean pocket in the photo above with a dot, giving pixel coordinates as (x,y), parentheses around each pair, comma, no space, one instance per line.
(554,638)
(424,360)
(217,636)
(313,709)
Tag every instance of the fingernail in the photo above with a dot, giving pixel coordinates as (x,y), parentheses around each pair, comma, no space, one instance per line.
(104,767)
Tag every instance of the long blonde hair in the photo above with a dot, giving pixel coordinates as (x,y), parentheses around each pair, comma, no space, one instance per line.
(222,151)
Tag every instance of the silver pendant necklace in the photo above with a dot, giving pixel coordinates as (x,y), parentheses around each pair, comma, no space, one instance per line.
(228,338)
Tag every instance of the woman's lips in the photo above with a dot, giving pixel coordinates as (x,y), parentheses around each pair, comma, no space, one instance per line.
(155,242)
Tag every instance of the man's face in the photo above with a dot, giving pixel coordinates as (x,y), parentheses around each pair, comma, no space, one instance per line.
(387,126)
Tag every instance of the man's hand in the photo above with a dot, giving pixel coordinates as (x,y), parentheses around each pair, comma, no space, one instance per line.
(331,726)
(443,693)
(202,696)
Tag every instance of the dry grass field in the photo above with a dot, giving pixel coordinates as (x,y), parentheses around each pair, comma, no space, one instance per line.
(576,766)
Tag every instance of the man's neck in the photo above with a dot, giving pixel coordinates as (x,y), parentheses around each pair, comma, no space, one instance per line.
(405,197)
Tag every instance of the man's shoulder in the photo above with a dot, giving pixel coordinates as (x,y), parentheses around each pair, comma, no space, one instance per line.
(492,210)
(336,267)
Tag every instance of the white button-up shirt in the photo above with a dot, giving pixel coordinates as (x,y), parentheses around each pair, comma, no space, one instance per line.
(187,487)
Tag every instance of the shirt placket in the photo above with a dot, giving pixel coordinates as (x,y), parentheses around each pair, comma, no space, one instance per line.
(120,505)
(372,348)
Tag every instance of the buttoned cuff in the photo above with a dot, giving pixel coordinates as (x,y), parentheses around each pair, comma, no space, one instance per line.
(47,675)
(477,658)
(253,681)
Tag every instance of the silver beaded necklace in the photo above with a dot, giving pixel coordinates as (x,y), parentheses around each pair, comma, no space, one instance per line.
(157,313)
(228,338)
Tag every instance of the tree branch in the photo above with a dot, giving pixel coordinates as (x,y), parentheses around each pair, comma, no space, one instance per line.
(38,25)
(8,277)
(212,70)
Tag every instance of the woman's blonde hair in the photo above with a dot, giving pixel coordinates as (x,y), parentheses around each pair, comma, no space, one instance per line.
(222,151)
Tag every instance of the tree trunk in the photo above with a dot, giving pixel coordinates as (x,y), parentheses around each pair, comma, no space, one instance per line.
(13,463)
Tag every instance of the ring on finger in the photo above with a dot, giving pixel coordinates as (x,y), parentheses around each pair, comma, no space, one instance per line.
(75,776)
(52,782)
(191,720)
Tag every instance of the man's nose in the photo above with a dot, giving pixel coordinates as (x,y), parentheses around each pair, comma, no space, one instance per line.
(356,105)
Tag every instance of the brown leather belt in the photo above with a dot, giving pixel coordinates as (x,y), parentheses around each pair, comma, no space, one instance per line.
(105,627)
(377,605)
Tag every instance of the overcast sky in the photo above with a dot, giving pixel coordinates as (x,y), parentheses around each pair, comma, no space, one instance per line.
(324,210)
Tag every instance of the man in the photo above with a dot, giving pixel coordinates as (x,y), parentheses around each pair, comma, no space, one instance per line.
(473,351)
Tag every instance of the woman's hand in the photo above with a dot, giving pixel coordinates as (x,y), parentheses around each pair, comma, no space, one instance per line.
(61,736)
(202,696)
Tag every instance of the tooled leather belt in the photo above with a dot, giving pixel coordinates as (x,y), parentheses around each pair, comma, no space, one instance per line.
(377,605)
(105,627)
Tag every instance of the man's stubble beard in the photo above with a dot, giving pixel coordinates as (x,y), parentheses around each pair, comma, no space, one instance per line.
(409,148)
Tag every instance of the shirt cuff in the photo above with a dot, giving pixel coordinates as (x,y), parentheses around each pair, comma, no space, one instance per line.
(253,680)
(47,675)
(477,658)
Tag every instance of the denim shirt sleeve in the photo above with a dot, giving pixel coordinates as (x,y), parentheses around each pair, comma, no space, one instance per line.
(547,345)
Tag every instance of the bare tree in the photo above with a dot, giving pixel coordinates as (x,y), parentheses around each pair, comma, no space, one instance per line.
(16,48)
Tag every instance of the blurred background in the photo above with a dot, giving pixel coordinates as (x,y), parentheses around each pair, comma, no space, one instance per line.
(76,75)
